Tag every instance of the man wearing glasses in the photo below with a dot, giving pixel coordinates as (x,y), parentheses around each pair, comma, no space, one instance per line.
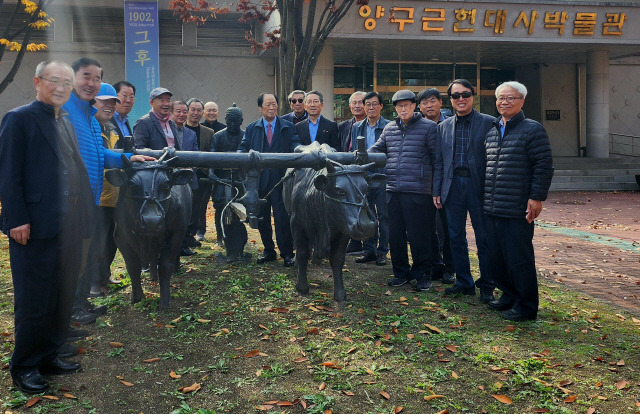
(316,127)
(376,248)
(298,112)
(409,143)
(458,180)
(46,212)
(270,133)
(518,175)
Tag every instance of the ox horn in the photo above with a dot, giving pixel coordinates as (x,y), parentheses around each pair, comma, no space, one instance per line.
(170,161)
(126,162)
(368,166)
(162,157)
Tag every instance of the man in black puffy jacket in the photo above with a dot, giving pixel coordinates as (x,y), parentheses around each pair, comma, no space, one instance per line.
(519,169)
(409,143)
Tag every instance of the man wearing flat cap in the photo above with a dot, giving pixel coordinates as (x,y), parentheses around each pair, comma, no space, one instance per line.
(156,130)
(409,143)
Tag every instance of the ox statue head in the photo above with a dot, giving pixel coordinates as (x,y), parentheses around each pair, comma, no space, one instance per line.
(345,188)
(146,188)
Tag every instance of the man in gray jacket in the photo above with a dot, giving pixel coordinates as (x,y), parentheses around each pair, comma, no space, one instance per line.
(409,143)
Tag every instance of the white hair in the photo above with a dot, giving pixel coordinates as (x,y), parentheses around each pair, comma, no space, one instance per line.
(520,88)
(354,94)
(42,66)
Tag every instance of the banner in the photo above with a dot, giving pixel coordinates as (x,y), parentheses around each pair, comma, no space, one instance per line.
(142,55)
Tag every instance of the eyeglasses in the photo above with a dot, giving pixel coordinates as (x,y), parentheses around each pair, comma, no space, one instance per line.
(57,82)
(509,99)
(372,104)
(465,94)
(299,100)
(314,101)
(269,105)
(127,97)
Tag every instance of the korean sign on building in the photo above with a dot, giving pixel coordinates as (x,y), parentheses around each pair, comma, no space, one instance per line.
(141,50)
(496,21)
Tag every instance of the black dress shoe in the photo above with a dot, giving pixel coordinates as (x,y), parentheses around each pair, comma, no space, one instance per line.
(514,315)
(459,290)
(59,367)
(76,334)
(366,258)
(67,350)
(486,295)
(423,284)
(97,310)
(381,260)
(499,305)
(83,317)
(397,281)
(31,382)
(193,242)
(185,251)
(267,257)
(288,261)
(448,278)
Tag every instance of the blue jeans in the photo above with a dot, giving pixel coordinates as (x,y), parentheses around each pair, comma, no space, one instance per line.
(462,199)
(379,243)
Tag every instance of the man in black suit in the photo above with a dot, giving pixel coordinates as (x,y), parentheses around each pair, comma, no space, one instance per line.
(316,127)
(298,112)
(46,212)
(458,183)
(270,133)
(127,95)
(156,130)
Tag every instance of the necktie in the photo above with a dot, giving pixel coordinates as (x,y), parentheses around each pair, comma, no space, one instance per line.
(269,134)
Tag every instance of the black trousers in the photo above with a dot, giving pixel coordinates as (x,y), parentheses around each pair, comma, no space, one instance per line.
(281,223)
(201,195)
(409,221)
(45,272)
(512,261)
(440,243)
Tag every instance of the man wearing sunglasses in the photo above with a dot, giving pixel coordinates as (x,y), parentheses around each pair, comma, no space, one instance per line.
(458,182)
(298,112)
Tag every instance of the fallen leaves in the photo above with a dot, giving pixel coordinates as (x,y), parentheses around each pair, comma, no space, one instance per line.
(190,389)
(433,397)
(152,360)
(255,353)
(116,344)
(502,398)
(385,395)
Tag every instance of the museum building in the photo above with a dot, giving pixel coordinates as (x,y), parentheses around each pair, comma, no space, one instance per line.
(580,60)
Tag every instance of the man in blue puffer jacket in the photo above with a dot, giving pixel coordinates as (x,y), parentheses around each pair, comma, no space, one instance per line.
(409,143)
(519,170)
(86,85)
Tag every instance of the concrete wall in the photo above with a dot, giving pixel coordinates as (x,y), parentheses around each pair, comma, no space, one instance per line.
(624,117)
(223,80)
(560,93)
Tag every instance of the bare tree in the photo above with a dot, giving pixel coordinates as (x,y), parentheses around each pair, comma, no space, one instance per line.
(16,34)
(299,38)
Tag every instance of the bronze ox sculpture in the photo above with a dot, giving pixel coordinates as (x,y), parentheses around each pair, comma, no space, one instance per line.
(155,197)
(151,216)
(327,208)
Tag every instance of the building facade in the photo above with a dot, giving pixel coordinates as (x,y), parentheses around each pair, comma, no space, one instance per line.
(580,60)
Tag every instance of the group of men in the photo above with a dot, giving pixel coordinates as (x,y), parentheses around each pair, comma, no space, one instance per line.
(57,209)
(441,168)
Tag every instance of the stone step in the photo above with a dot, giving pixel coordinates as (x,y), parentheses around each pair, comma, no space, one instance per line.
(595,174)
(594,186)
(597,171)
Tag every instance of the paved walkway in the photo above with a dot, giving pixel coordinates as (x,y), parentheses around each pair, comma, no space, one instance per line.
(591,242)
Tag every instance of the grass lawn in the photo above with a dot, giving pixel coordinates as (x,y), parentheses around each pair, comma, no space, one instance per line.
(238,339)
